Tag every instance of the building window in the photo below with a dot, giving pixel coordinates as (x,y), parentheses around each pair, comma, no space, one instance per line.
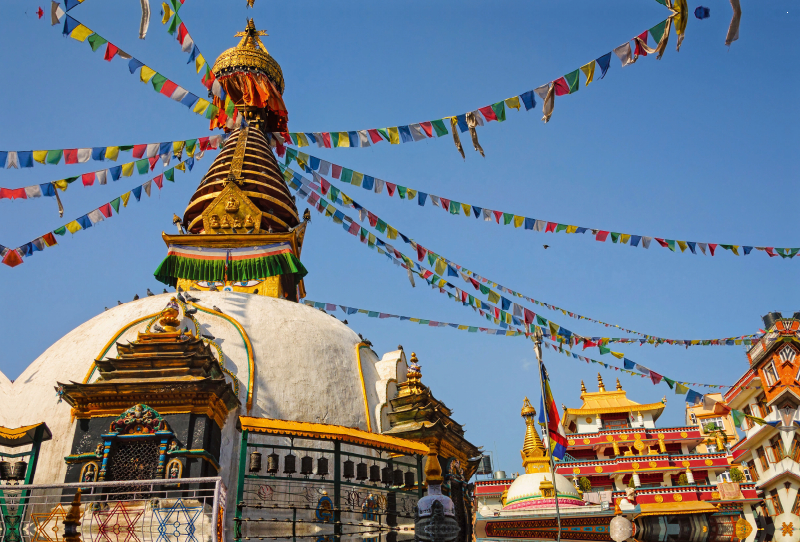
(724,477)
(615,424)
(711,448)
(770,374)
(762,457)
(712,424)
(774,503)
(747,471)
(693,418)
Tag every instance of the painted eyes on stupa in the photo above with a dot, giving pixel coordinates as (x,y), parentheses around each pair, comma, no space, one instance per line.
(219,284)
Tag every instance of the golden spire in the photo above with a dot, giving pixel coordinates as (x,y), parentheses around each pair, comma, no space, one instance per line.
(619,386)
(583,387)
(413,384)
(433,470)
(414,373)
(600,385)
(250,36)
(534,455)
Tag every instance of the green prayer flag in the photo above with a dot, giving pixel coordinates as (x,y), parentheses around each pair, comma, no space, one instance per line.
(671,244)
(334,139)
(573,80)
(170,174)
(738,418)
(401,191)
(381,226)
(96,41)
(439,127)
(603,349)
(54,156)
(142,166)
(230,108)
(126,147)
(454,207)
(507,218)
(115,205)
(291,154)
(333,193)
(540,321)
(670,383)
(472,329)
(212,111)
(500,111)
(561,227)
(60,231)
(484,289)
(384,133)
(658,30)
(158,81)
(174,24)
(190,143)
(431,258)
(347,175)
(680,389)
(614,237)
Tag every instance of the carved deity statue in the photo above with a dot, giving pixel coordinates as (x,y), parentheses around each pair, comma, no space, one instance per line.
(248,222)
(225,223)
(237,222)
(232,205)
(213,221)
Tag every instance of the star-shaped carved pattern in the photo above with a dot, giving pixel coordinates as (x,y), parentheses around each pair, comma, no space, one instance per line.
(119,524)
(787,530)
(177,524)
(48,525)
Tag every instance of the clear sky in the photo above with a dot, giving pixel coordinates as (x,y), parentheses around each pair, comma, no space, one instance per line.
(700,145)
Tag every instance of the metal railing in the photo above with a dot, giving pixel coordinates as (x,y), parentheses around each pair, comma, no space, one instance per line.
(187,510)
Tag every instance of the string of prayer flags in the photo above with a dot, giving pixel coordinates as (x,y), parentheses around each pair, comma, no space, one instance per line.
(192,147)
(77,31)
(518,316)
(467,122)
(178,29)
(318,167)
(14,257)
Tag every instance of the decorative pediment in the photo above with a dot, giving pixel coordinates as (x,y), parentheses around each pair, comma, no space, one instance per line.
(231,212)
(138,420)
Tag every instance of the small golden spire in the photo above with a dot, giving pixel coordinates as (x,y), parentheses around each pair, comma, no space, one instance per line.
(533,450)
(414,373)
(433,470)
(250,36)
(619,386)
(583,387)
(600,385)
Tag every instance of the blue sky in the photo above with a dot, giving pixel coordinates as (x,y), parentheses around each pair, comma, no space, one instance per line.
(696,146)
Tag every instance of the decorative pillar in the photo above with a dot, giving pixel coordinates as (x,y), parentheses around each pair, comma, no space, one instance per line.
(434,520)
(73,519)
(661,446)
(689,476)
(640,419)
(636,481)
(616,448)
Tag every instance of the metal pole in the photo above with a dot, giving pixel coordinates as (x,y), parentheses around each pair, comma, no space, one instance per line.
(537,348)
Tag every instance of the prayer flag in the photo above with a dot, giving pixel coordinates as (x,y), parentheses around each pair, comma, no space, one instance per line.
(557,438)
(588,71)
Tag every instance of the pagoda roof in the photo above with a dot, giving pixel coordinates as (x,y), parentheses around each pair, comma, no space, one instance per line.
(610,402)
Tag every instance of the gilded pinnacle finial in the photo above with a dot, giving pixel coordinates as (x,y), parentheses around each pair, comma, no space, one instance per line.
(527,410)
(250,36)
(619,386)
(533,451)
(583,387)
(600,385)
(414,372)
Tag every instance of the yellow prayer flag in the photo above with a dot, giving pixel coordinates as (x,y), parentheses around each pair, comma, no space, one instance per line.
(394,135)
(73,226)
(391,233)
(199,62)
(513,102)
(411,194)
(177,146)
(413,319)
(735,249)
(588,71)
(572,229)
(302,141)
(440,267)
(737,341)
(61,185)
(467,209)
(80,33)
(112,153)
(167,12)
(344,140)
(201,106)
(346,200)
(494,297)
(127,169)
(624,238)
(518,220)
(181,166)
(146,74)
(618,355)
(371,239)
(683,245)
(463,327)
(357,178)
(40,156)
(125,197)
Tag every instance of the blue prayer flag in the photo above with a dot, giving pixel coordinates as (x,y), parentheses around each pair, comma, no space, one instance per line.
(134,64)
(529,222)
(477,211)
(628,364)
(70,24)
(25,158)
(137,192)
(368,183)
(84,222)
(98,153)
(48,189)
(604,62)
(635,240)
(189,100)
(115,172)
(405,134)
(462,122)
(528,99)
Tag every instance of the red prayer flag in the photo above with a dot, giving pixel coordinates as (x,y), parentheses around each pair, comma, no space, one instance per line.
(488,112)
(497,215)
(111,51)
(139,150)
(40,12)
(13,193)
(326,139)
(474,283)
(159,180)
(390,187)
(374,136)
(655,377)
(168,88)
(662,242)
(182,33)
(153,162)
(551,226)
(336,171)
(354,227)
(49,239)
(769,251)
(427,127)
(208,79)
(421,252)
(601,236)
(373,219)
(325,186)
(106,210)
(70,156)
(529,316)
(88,179)
(639,49)
(712,247)
(203,142)
(445,203)
(12,258)
(561,87)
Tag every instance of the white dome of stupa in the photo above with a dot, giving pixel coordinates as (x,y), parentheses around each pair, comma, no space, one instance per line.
(305,368)
(525,493)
